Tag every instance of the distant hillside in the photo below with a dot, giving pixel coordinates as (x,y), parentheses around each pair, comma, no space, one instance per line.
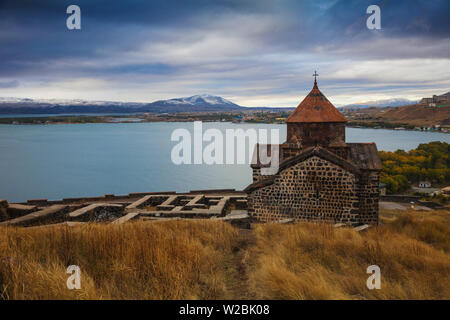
(197,103)
(418,115)
(379,103)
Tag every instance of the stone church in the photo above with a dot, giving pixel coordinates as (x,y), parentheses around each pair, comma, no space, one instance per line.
(320,176)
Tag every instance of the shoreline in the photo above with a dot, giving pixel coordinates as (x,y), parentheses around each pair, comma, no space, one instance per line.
(134,118)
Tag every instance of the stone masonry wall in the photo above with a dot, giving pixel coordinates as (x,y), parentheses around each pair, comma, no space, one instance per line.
(311,134)
(257,175)
(312,190)
(368,193)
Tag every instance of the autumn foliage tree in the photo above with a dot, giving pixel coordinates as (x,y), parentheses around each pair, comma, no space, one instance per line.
(429,162)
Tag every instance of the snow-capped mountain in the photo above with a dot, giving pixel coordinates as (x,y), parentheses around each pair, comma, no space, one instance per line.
(200,99)
(197,103)
(395,102)
(204,102)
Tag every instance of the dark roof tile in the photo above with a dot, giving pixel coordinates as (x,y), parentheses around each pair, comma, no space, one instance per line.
(316,108)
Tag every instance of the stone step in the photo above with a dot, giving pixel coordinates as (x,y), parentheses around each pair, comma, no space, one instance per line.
(339,225)
(52,213)
(139,202)
(361,228)
(235,215)
(129,216)
(167,204)
(194,202)
(283,221)
(89,212)
(17,210)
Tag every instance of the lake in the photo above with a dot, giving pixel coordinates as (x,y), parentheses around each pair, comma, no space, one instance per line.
(75,160)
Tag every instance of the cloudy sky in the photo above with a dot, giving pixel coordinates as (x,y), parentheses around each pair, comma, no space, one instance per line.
(255,52)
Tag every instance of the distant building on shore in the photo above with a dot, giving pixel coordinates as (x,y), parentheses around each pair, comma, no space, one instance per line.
(435,100)
(321,177)
(424,184)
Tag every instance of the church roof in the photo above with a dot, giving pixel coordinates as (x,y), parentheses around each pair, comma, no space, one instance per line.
(316,108)
(363,156)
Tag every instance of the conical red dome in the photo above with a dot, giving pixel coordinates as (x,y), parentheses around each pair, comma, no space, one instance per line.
(316,108)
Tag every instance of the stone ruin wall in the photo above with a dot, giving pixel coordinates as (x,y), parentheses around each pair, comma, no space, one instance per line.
(317,190)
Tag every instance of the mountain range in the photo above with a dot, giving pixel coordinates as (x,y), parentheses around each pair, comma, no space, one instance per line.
(395,102)
(195,103)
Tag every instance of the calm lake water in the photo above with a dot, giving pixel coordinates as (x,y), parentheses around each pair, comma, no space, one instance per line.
(73,160)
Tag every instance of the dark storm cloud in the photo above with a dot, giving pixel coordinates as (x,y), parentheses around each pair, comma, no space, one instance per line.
(39,26)
(221,44)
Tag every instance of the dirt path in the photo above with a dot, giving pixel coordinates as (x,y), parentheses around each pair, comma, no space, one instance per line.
(238,286)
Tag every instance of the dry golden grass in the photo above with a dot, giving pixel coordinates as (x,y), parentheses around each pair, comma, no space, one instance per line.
(307,261)
(432,227)
(162,260)
(212,260)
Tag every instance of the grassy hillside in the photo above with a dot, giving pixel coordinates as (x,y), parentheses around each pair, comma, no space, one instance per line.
(212,260)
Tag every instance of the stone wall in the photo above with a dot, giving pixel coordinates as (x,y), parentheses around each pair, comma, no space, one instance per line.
(312,190)
(257,175)
(324,134)
(368,194)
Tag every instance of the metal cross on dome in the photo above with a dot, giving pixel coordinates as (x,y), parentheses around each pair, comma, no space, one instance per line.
(315,75)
